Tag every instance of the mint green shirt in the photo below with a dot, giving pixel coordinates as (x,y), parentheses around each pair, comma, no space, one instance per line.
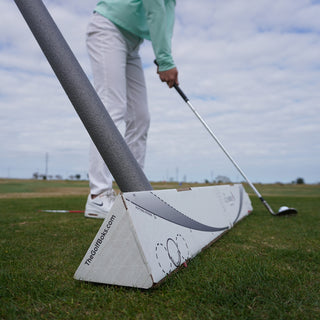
(148,19)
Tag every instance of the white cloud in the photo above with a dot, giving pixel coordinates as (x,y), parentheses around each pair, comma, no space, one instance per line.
(250,68)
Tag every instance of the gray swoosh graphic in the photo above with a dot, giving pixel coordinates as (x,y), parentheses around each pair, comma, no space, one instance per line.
(153,204)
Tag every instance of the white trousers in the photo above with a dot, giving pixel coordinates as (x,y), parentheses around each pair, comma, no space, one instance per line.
(119,81)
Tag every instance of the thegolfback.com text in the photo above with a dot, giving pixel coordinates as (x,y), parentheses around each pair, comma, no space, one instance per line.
(99,241)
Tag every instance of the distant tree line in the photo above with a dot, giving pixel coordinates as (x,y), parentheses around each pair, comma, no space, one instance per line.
(40,176)
(224,179)
(298,181)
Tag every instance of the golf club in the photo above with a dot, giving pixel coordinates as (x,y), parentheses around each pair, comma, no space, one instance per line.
(284,210)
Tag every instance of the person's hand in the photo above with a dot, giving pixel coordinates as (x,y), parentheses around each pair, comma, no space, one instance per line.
(169,76)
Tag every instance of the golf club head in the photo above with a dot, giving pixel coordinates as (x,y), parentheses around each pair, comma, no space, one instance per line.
(286,211)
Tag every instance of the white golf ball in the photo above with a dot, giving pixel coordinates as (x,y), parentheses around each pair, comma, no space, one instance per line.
(283,208)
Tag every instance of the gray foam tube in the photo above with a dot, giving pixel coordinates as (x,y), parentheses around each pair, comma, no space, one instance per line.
(102,130)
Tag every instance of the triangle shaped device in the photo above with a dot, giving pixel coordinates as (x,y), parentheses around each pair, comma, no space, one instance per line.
(149,234)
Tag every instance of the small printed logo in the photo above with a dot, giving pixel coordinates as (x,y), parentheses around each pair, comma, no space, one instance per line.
(172,253)
(229,199)
(98,204)
(99,240)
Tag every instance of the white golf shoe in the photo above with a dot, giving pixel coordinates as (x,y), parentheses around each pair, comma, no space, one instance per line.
(99,206)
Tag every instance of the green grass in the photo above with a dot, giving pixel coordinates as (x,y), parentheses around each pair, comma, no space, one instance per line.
(8,186)
(264,268)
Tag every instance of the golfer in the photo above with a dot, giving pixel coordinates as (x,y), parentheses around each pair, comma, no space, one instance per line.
(114,34)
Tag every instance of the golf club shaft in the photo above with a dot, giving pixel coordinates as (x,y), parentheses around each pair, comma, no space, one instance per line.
(184,97)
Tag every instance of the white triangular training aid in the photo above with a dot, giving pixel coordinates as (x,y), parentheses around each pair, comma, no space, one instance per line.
(148,234)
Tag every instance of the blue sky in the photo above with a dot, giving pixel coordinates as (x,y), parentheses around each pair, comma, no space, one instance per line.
(251,69)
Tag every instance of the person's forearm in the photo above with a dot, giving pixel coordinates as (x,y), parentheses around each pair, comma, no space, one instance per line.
(160,20)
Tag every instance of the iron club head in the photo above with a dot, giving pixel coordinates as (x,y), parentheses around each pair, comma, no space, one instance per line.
(284,210)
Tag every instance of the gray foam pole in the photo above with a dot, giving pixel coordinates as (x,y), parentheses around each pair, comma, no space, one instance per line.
(102,130)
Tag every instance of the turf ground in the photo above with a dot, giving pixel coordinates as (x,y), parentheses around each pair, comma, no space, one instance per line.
(264,268)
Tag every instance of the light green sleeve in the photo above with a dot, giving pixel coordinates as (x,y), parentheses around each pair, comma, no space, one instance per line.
(160,19)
